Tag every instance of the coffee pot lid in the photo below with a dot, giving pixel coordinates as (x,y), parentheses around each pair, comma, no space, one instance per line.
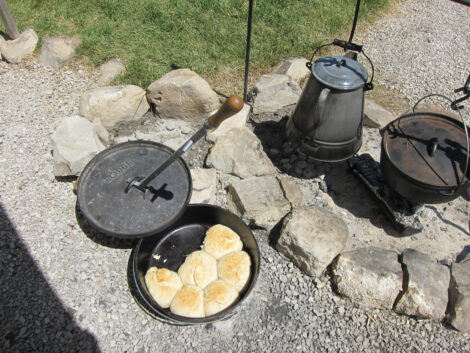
(339,72)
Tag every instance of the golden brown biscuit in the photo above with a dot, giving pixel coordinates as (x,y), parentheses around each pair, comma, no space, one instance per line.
(218,296)
(234,268)
(189,302)
(199,269)
(221,240)
(162,285)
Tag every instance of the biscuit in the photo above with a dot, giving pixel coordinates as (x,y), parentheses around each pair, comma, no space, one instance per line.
(221,240)
(162,285)
(199,269)
(189,302)
(234,268)
(218,296)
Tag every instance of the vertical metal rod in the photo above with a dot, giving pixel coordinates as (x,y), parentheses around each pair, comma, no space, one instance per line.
(353,29)
(248,46)
(8,20)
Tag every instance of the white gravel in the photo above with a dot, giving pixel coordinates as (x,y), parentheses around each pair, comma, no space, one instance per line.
(63,289)
(422,49)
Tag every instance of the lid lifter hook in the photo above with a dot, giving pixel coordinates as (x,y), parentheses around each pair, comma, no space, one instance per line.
(465,90)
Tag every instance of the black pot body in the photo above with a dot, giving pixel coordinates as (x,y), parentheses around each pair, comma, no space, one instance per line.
(169,249)
(327,122)
(411,189)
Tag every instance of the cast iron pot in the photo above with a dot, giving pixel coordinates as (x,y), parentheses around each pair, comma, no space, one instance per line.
(424,157)
(170,247)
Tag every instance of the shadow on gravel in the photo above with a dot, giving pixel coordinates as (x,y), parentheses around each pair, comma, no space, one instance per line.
(344,188)
(101,238)
(32,317)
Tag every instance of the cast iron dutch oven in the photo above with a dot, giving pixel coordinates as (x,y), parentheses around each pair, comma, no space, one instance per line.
(121,194)
(169,249)
(424,157)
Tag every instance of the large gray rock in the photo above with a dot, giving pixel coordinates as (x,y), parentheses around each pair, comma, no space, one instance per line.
(109,70)
(74,144)
(369,277)
(183,94)
(114,104)
(296,69)
(312,237)
(375,115)
(458,313)
(16,50)
(425,293)
(234,122)
(56,51)
(240,153)
(258,200)
(204,186)
(274,95)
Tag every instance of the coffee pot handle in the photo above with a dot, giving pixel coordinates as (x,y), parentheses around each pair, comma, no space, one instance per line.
(320,107)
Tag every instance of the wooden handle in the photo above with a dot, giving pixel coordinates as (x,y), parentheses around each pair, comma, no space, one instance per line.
(230,107)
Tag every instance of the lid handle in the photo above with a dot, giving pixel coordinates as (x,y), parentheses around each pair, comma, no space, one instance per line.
(230,107)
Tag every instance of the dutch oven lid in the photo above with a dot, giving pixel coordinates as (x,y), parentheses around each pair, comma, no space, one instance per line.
(113,208)
(339,72)
(428,148)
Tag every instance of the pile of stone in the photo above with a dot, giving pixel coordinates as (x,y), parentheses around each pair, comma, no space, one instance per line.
(256,189)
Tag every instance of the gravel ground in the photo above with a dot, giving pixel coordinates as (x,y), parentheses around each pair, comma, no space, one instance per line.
(64,287)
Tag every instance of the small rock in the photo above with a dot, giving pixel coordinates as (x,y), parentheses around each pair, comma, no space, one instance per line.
(14,51)
(291,190)
(375,115)
(55,51)
(425,293)
(114,104)
(240,153)
(312,237)
(109,70)
(74,144)
(204,186)
(459,295)
(369,277)
(183,94)
(259,201)
(272,93)
(296,69)
(236,121)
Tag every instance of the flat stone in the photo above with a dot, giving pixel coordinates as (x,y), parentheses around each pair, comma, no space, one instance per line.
(14,51)
(271,94)
(292,191)
(240,153)
(296,69)
(259,201)
(109,70)
(375,115)
(74,144)
(458,314)
(114,104)
(312,237)
(235,121)
(370,277)
(56,51)
(426,287)
(204,185)
(183,94)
